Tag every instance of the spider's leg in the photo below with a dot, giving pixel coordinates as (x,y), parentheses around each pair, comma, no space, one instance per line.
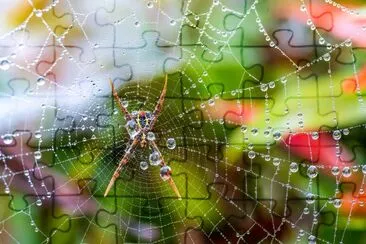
(155,148)
(115,95)
(123,161)
(175,188)
(160,103)
(170,180)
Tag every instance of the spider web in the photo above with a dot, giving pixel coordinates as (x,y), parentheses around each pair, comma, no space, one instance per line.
(266,129)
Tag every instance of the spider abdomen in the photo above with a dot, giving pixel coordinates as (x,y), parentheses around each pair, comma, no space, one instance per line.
(143,119)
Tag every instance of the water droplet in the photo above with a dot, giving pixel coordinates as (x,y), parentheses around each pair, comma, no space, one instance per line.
(251,154)
(165,172)
(337,203)
(131,124)
(170,143)
(41,81)
(312,239)
(335,170)
(294,167)
(4,64)
(364,169)
(277,135)
(326,57)
(272,84)
(276,161)
(155,158)
(337,135)
(38,12)
(150,5)
(37,155)
(355,168)
(173,22)
(254,131)
(243,128)
(39,202)
(312,172)
(124,104)
(8,139)
(264,87)
(348,43)
(131,128)
(151,136)
(144,165)
(345,132)
(310,198)
(315,135)
(346,172)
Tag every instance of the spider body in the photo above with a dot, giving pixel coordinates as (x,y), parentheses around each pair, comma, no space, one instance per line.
(143,119)
(139,126)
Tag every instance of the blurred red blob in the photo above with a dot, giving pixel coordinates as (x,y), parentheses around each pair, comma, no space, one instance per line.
(323,151)
(341,23)
(350,84)
(231,111)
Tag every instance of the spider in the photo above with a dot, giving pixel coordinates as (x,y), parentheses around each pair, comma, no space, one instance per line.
(139,127)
